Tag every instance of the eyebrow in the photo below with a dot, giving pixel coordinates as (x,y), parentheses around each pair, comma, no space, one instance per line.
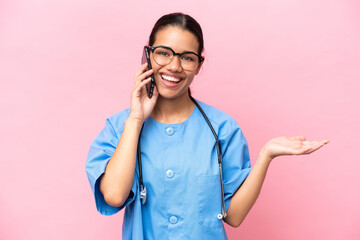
(174,50)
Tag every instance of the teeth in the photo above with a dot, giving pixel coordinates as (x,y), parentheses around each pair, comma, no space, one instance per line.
(169,78)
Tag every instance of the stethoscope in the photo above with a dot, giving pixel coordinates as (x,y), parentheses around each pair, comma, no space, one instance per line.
(143,193)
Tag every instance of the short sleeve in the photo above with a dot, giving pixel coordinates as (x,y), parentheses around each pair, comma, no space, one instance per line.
(236,161)
(99,155)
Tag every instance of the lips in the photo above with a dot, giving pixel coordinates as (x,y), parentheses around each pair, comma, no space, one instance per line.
(170,80)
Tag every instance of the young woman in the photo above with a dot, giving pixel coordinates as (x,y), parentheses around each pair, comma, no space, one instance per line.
(188,193)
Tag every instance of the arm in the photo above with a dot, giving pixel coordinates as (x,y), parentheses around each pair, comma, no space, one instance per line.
(245,197)
(117,180)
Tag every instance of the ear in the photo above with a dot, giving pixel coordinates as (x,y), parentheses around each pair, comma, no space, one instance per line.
(199,67)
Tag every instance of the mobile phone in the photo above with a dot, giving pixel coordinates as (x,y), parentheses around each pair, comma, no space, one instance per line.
(146,58)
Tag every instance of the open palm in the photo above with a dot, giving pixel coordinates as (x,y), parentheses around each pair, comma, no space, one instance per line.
(292,146)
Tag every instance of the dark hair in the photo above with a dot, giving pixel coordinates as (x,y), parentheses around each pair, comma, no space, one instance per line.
(181,20)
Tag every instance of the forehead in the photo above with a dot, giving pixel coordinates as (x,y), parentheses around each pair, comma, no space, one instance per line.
(178,39)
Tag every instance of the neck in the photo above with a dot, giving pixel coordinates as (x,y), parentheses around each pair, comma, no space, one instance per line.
(171,111)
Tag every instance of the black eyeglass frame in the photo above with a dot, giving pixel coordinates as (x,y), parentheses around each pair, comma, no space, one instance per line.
(152,48)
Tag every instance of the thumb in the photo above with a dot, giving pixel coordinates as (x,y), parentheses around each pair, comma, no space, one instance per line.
(155,94)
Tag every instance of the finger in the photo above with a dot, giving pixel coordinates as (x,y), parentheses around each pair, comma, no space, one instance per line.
(143,76)
(300,138)
(322,141)
(303,147)
(143,86)
(141,70)
(314,147)
(144,82)
(146,74)
(139,87)
(155,94)
(307,143)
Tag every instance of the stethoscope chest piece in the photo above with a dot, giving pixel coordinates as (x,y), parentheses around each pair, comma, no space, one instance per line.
(143,194)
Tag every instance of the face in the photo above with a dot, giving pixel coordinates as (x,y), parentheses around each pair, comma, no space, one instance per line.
(172,81)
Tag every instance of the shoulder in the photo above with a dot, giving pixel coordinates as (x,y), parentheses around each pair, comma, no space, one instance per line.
(220,120)
(117,120)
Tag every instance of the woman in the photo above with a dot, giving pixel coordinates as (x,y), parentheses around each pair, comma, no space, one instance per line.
(185,196)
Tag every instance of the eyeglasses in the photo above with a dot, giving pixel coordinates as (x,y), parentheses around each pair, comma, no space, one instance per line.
(163,55)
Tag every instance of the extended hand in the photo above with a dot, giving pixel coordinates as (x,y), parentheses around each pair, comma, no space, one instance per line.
(292,146)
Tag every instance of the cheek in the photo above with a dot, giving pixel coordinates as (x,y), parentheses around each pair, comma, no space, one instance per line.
(156,67)
(190,76)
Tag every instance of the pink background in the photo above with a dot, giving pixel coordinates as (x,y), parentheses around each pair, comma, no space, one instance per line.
(278,67)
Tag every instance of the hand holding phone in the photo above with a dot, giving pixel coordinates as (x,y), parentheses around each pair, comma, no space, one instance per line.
(146,58)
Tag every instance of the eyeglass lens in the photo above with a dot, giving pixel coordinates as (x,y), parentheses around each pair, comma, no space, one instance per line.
(164,56)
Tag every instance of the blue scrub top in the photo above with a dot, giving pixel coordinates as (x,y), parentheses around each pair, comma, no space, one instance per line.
(181,174)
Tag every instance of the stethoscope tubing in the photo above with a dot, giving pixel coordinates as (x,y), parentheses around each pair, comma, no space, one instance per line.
(143,192)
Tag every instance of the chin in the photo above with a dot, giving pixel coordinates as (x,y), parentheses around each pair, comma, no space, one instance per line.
(168,94)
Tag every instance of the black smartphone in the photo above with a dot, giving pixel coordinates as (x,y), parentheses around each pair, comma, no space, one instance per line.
(146,58)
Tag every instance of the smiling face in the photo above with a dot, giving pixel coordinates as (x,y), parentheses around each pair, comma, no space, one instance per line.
(172,81)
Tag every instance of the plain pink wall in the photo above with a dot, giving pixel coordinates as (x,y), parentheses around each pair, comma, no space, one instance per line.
(278,67)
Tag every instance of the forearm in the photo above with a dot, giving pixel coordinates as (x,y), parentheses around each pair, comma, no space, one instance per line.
(119,173)
(245,197)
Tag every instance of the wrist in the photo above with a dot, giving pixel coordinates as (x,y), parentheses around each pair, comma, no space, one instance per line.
(134,122)
(265,154)
(136,118)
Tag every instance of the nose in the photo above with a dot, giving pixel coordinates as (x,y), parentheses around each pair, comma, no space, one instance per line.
(175,64)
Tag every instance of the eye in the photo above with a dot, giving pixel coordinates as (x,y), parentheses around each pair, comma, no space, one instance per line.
(165,54)
(188,58)
(161,52)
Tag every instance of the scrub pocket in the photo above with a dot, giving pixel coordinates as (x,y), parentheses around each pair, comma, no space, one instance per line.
(209,197)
